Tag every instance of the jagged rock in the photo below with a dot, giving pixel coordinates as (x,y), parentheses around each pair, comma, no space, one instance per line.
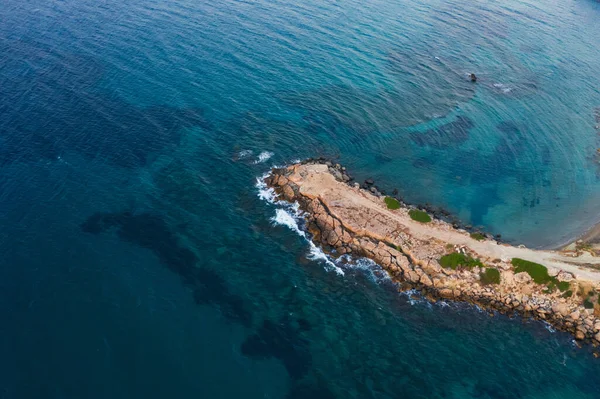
(565,276)
(415,260)
(426,281)
(561,308)
(412,276)
(332,238)
(282,180)
(522,278)
(288,193)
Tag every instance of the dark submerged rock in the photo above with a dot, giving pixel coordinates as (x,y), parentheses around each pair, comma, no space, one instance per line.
(455,132)
(281,341)
(150,231)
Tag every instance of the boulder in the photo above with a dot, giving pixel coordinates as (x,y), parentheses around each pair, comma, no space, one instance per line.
(565,276)
(288,193)
(560,308)
(282,181)
(426,281)
(412,276)
(522,278)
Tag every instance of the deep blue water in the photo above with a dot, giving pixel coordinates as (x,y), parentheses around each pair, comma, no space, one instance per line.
(139,261)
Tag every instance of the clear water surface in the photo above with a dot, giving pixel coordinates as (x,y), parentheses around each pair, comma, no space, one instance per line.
(139,261)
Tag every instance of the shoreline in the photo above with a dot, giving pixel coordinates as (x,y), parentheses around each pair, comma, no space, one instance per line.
(439,259)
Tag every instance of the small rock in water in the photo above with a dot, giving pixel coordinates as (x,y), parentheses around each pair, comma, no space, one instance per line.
(369,182)
(473,77)
(336,173)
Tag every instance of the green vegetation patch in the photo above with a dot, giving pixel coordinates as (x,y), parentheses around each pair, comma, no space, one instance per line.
(456,259)
(478,236)
(490,276)
(567,294)
(588,304)
(539,273)
(392,203)
(563,285)
(419,216)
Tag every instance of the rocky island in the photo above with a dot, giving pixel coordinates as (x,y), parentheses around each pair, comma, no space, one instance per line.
(438,258)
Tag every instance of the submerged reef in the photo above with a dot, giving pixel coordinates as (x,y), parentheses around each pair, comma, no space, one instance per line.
(150,231)
(452,133)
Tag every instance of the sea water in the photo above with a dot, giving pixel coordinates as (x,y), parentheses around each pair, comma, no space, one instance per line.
(140,259)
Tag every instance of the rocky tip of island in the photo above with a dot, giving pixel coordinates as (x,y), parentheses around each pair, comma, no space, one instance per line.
(439,258)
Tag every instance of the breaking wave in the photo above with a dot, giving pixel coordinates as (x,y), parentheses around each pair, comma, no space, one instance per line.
(290,216)
(264,156)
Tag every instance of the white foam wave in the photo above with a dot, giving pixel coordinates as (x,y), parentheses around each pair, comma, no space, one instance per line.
(315,253)
(245,154)
(264,156)
(503,88)
(265,192)
(414,297)
(285,218)
(289,217)
(366,266)
(549,327)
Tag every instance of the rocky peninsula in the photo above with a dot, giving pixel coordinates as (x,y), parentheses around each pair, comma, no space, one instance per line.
(438,258)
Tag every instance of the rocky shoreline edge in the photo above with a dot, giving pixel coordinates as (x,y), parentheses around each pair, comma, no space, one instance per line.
(345,218)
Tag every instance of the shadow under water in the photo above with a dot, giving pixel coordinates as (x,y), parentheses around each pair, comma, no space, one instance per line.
(281,341)
(151,232)
(451,133)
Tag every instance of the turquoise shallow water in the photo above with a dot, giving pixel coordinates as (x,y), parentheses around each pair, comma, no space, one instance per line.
(139,261)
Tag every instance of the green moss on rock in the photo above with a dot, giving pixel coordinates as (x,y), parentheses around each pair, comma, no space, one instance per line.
(392,203)
(490,276)
(563,285)
(478,236)
(419,216)
(567,294)
(456,259)
(539,273)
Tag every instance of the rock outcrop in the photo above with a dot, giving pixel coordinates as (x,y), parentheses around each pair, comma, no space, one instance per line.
(346,219)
